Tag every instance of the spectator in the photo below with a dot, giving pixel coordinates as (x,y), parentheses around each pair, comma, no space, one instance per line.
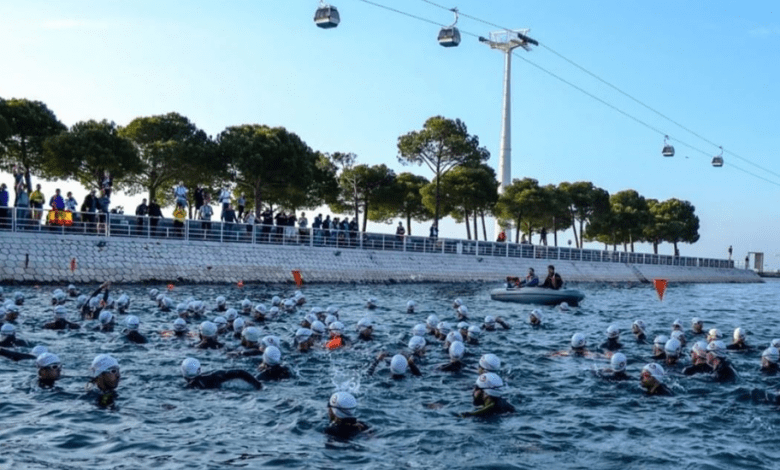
(241,205)
(180,194)
(543,237)
(88,208)
(141,211)
(400,232)
(249,220)
(5,215)
(22,203)
(107,183)
(434,231)
(179,216)
(326,227)
(290,230)
(353,229)
(316,226)
(303,224)
(224,199)
(36,202)
(104,204)
(200,197)
(155,214)
(18,183)
(229,218)
(205,215)
(57,204)
(281,220)
(72,205)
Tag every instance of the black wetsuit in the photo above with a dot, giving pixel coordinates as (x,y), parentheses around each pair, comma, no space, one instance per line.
(13,341)
(455,366)
(702,368)
(661,356)
(772,369)
(86,311)
(548,282)
(724,372)
(217,378)
(615,376)
(738,347)
(496,406)
(209,343)
(661,391)
(277,372)
(15,355)
(611,344)
(61,324)
(641,338)
(46,383)
(346,428)
(249,352)
(105,399)
(135,337)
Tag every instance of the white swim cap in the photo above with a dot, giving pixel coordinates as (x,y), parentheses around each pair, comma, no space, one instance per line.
(564,306)
(153,294)
(490,320)
(739,334)
(613,331)
(457,350)
(443,327)
(316,311)
(332,310)
(418,330)
(699,348)
(398,365)
(453,336)
(47,359)
(132,322)
(490,362)
(8,330)
(677,325)
(640,325)
(271,340)
(159,297)
(464,311)
(714,334)
(673,348)
(251,334)
(696,321)
(309,318)
(238,325)
(678,335)
(246,305)
(190,367)
(38,350)
(772,354)
(208,329)
(102,363)
(276,301)
(618,362)
(364,324)
(410,305)
(272,356)
(775,343)
(181,308)
(179,325)
(417,343)
(106,317)
(94,303)
(336,327)
(15,309)
(491,384)
(536,313)
(330,319)
(60,312)
(260,308)
(343,405)
(655,370)
(463,325)
(231,314)
(318,327)
(289,304)
(303,334)
(432,321)
(80,301)
(221,300)
(457,303)
(220,321)
(717,348)
(660,341)
(474,331)
(371,302)
(578,340)
(273,312)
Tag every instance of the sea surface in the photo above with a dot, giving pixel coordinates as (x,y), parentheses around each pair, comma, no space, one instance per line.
(566,416)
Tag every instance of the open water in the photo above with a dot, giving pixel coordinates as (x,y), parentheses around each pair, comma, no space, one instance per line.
(566,416)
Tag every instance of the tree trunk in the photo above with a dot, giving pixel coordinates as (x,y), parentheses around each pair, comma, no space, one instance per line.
(574,230)
(409,225)
(476,235)
(555,232)
(582,234)
(468,229)
(517,231)
(484,230)
(365,214)
(655,247)
(438,177)
(357,209)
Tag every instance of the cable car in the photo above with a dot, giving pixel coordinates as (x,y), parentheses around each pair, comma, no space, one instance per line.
(717,160)
(326,16)
(668,150)
(450,36)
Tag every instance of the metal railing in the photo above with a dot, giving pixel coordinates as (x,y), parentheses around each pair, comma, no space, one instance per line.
(122,225)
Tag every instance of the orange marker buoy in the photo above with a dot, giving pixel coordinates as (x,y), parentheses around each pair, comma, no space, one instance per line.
(660,287)
(298,279)
(335,343)
(240,284)
(170,286)
(72,264)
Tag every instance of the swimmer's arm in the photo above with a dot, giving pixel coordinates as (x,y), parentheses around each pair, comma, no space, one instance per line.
(243,375)
(373,366)
(73,326)
(413,367)
(15,355)
(479,411)
(503,323)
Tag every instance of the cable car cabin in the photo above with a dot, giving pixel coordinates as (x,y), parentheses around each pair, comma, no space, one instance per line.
(449,37)
(668,151)
(717,161)
(326,17)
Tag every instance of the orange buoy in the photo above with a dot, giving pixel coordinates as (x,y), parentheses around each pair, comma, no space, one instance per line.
(170,286)
(335,343)
(240,284)
(660,287)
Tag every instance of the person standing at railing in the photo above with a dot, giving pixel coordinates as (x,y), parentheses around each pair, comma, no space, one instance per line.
(179,216)
(103,204)
(18,183)
(36,202)
(70,205)
(155,214)
(88,208)
(141,211)
(224,199)
(180,194)
(303,227)
(57,204)
(326,228)
(5,215)
(317,228)
(22,203)
(230,218)
(205,215)
(241,205)
(199,199)
(353,230)
(107,184)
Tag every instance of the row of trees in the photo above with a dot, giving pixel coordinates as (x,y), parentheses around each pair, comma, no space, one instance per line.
(275,168)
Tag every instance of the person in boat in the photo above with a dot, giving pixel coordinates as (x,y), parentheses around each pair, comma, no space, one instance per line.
(399,364)
(698,360)
(531,280)
(638,328)
(192,373)
(739,341)
(49,369)
(553,279)
(487,397)
(652,380)
(613,339)
(722,371)
(272,367)
(617,369)
(769,359)
(342,408)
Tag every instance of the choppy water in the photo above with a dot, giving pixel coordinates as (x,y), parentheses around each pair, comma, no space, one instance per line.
(566,417)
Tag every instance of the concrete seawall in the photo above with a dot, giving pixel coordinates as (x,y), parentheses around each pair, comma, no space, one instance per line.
(47,258)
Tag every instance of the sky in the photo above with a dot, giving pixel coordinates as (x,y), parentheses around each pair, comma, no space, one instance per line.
(710,67)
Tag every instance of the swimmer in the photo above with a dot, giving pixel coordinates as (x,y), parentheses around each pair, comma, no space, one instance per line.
(180,329)
(431,322)
(106,377)
(365,328)
(490,323)
(304,339)
(738,343)
(191,371)
(271,368)
(487,397)
(613,339)
(131,333)
(250,340)
(535,318)
(417,346)
(11,313)
(473,334)
(58,297)
(342,408)
(410,306)
(456,352)
(208,336)
(659,354)
(371,303)
(94,305)
(276,301)
(16,355)
(617,369)
(457,303)
(337,337)
(698,360)
(153,293)
(246,306)
(230,315)
(463,313)
(638,328)
(166,304)
(8,337)
(419,329)
(399,364)
(677,325)
(49,369)
(318,330)
(679,336)
(714,335)
(238,328)
(18,298)
(259,313)
(222,324)
(769,359)
(221,304)
(443,328)
(72,291)
(672,350)
(299,298)
(308,319)
(652,380)
(106,322)
(489,363)
(697,326)
(452,336)
(721,367)
(463,328)
(579,345)
(60,320)
(123,303)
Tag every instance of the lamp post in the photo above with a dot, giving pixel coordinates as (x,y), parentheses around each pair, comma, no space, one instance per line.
(507,41)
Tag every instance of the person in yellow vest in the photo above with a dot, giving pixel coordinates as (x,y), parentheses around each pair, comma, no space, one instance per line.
(179,215)
(36,202)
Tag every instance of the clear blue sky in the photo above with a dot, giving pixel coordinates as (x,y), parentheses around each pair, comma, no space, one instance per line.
(711,66)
